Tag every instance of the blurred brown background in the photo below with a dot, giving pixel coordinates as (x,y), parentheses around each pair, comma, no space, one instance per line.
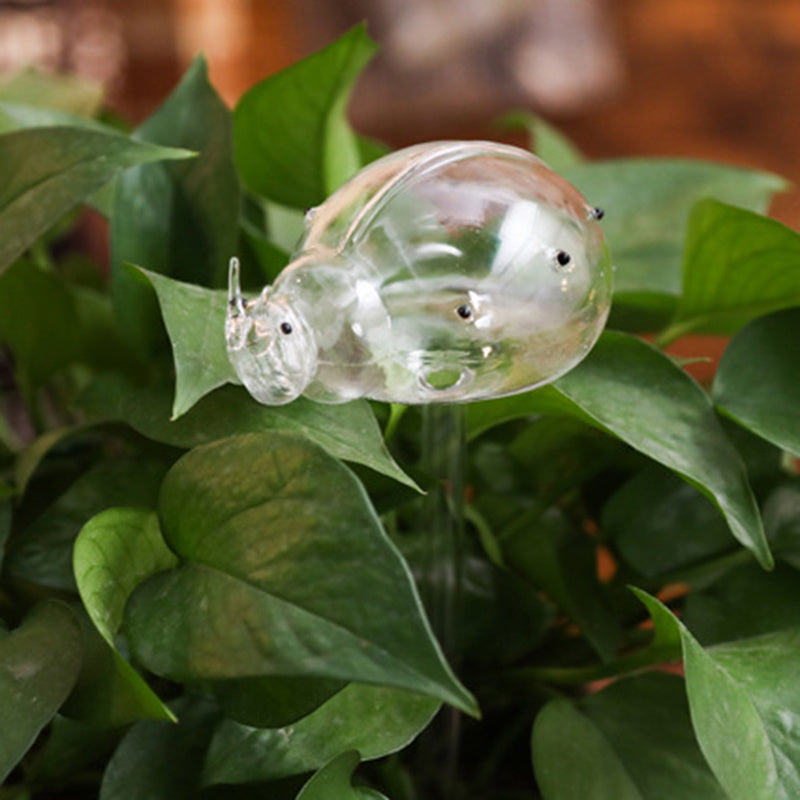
(698,78)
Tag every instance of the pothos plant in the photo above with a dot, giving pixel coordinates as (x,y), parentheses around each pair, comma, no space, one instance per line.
(206,597)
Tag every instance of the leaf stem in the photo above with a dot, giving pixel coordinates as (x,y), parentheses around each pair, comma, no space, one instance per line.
(698,575)
(577,676)
(396,412)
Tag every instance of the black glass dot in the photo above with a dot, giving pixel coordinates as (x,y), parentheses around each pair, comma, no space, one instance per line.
(286,327)
(464,311)
(599,213)
(563,258)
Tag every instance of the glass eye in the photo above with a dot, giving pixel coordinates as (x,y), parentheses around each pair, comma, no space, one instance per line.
(563,258)
(286,328)
(464,311)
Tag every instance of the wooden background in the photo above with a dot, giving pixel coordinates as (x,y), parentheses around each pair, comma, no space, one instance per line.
(701,78)
(715,79)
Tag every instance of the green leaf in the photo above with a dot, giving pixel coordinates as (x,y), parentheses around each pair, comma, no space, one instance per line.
(160,760)
(745,708)
(67,93)
(737,266)
(646,720)
(114,552)
(181,219)
(102,344)
(487,414)
(666,630)
(558,152)
(555,455)
(292,141)
(285,225)
(39,663)
(782,521)
(758,383)
(47,171)
(634,392)
(109,693)
(660,524)
(277,533)
(44,553)
(272,702)
(16,115)
(27,293)
(744,603)
(333,780)
(195,320)
(647,204)
(634,737)
(348,431)
(70,748)
(548,553)
(572,759)
(80,327)
(373,720)
(370,150)
(501,617)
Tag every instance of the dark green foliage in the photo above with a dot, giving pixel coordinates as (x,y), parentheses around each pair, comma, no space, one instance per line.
(203,597)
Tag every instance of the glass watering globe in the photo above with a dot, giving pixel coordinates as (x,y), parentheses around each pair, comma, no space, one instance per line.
(443,273)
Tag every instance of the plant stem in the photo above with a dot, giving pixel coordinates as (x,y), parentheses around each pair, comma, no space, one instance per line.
(396,412)
(576,676)
(700,575)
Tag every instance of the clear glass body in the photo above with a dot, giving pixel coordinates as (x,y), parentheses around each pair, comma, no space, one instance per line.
(445,272)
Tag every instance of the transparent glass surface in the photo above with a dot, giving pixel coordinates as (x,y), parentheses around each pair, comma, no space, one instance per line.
(445,272)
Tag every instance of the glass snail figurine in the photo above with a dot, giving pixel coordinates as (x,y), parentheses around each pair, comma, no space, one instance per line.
(444,272)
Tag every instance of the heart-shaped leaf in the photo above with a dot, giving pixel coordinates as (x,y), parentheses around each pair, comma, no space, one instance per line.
(114,552)
(281,554)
